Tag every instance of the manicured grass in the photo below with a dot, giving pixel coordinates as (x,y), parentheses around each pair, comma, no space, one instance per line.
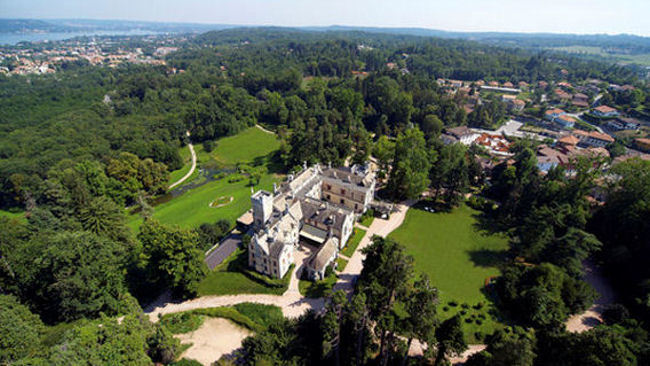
(316,289)
(341,263)
(353,242)
(192,208)
(244,147)
(457,258)
(231,277)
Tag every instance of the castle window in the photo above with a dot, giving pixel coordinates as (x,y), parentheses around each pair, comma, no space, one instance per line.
(342,201)
(342,191)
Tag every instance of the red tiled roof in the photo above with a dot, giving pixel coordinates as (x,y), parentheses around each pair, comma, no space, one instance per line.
(554,111)
(601,136)
(605,109)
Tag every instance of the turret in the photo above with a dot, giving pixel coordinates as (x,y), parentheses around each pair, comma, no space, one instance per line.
(262,202)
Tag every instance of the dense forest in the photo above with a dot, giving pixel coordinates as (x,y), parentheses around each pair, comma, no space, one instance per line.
(79,146)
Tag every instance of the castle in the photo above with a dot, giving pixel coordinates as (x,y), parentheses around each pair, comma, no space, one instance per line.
(318,205)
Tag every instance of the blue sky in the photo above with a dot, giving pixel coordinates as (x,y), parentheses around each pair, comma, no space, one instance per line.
(558,16)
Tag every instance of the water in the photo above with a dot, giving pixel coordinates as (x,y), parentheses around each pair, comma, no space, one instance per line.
(14,38)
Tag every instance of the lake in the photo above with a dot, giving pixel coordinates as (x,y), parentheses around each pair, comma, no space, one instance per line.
(13,38)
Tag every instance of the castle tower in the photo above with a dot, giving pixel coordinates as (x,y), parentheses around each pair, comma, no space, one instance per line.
(262,208)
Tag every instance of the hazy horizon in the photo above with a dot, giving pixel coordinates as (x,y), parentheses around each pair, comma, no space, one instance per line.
(511,16)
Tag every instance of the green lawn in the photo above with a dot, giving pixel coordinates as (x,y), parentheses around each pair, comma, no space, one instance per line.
(353,242)
(230,278)
(192,208)
(457,259)
(341,263)
(20,215)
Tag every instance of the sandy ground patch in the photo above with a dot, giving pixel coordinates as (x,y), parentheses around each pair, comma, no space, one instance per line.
(213,339)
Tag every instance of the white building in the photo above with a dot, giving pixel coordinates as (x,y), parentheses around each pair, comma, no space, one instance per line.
(317,205)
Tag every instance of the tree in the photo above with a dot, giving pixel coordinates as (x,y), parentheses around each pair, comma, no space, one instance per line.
(431,126)
(420,305)
(515,347)
(450,173)
(104,218)
(450,338)
(20,331)
(106,341)
(384,151)
(70,275)
(332,326)
(172,258)
(384,279)
(409,176)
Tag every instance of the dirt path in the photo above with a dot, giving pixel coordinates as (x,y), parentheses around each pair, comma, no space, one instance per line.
(214,338)
(191,169)
(264,129)
(593,316)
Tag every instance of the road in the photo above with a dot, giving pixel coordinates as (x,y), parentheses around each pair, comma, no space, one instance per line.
(191,169)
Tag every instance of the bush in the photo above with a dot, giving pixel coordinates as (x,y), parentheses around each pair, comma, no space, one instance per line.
(478,306)
(181,322)
(469,320)
(208,145)
(465,305)
(445,308)
(479,321)
(479,336)
(452,303)
(463,312)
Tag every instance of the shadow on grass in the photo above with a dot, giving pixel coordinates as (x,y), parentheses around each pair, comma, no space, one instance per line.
(487,257)
(487,223)
(437,206)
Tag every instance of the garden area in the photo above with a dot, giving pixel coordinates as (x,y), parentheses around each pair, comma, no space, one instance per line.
(459,261)
(353,242)
(224,195)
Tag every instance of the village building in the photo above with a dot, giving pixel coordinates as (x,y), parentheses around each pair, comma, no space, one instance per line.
(462,134)
(624,123)
(605,111)
(318,206)
(597,139)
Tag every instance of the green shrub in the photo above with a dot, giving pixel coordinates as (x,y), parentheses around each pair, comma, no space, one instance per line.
(465,305)
(181,322)
(469,320)
(452,303)
(462,312)
(445,308)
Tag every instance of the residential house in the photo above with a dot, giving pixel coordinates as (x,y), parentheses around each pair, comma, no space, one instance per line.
(605,111)
(495,144)
(508,84)
(565,121)
(643,143)
(516,105)
(463,134)
(597,139)
(554,113)
(580,100)
(623,123)
(548,158)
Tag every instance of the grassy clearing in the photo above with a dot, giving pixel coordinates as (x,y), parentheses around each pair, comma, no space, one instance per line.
(20,215)
(233,277)
(340,264)
(192,208)
(458,259)
(353,242)
(316,289)
(255,317)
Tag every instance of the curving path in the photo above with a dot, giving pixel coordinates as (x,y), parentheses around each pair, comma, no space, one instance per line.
(191,169)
